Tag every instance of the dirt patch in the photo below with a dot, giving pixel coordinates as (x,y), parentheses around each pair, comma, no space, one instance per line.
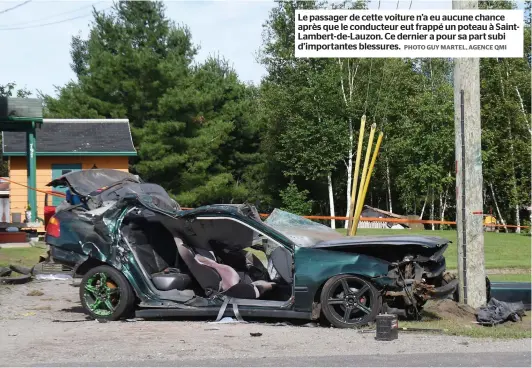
(450,310)
(35,293)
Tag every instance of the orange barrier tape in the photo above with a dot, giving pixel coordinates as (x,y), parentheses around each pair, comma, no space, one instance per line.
(392,220)
(56,194)
(342,218)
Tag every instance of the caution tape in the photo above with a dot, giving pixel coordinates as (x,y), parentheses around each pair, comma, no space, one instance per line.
(56,194)
(340,218)
(389,220)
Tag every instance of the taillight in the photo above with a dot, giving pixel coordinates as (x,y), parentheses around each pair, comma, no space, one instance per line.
(53,228)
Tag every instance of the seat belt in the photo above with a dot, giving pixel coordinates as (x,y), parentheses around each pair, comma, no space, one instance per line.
(236,312)
(222,309)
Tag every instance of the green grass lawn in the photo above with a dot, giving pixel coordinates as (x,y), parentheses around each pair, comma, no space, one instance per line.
(524,277)
(20,256)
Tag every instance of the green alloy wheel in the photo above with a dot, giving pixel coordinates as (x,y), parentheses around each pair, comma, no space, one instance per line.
(106,294)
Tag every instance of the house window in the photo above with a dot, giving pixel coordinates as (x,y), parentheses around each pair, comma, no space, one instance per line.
(59,170)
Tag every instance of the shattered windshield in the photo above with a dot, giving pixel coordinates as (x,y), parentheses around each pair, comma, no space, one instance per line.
(300,230)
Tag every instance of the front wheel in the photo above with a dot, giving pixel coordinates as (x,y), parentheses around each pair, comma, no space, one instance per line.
(106,294)
(349,301)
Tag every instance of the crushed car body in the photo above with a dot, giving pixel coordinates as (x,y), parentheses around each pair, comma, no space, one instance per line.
(139,252)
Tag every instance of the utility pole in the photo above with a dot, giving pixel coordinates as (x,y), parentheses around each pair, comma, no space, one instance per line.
(469,204)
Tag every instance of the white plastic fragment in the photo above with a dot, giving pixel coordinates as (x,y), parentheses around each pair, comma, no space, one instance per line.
(226,320)
(53,277)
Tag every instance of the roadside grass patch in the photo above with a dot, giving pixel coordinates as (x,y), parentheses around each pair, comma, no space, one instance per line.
(525,277)
(467,327)
(459,320)
(508,330)
(27,257)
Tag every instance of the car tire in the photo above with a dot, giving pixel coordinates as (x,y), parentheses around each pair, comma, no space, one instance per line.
(109,300)
(365,302)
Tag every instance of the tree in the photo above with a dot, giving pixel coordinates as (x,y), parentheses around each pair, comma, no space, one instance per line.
(10,90)
(507,134)
(192,124)
(306,133)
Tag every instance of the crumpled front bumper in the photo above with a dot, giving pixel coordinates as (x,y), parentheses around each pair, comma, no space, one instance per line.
(442,291)
(426,291)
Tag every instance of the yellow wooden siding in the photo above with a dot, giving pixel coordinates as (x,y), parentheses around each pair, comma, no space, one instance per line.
(18,196)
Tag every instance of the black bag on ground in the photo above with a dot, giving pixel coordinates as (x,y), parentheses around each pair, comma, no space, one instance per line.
(496,312)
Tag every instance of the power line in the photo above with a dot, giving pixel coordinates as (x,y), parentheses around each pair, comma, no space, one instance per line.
(51,23)
(3,26)
(14,7)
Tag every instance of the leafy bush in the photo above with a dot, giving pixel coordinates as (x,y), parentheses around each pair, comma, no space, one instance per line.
(296,201)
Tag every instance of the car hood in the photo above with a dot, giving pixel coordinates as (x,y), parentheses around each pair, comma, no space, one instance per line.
(429,242)
(391,248)
(84,182)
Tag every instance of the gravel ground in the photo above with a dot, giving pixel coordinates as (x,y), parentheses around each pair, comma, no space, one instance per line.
(42,323)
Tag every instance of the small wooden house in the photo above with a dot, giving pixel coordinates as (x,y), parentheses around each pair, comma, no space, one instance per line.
(62,147)
(371,212)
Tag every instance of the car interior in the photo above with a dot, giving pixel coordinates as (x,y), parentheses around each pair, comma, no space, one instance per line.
(209,256)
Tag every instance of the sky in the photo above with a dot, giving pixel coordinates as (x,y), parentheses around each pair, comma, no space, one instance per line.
(36,53)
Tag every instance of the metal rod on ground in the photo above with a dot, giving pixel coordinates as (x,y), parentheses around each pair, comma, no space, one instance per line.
(364,171)
(469,192)
(366,183)
(355,175)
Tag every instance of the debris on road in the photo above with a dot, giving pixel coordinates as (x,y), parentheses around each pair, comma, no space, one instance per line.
(53,277)
(227,320)
(20,269)
(22,275)
(255,334)
(15,279)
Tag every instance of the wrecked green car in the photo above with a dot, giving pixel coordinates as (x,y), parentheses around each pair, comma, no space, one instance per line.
(140,254)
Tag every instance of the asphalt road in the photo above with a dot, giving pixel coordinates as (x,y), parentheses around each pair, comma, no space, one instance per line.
(42,324)
(521,359)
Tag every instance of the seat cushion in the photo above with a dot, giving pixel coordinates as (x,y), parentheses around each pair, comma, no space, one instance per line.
(229,277)
(170,281)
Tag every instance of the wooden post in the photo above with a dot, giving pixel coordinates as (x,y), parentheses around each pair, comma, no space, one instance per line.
(469,204)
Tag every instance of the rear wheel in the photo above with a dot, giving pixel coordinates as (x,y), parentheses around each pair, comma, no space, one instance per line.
(349,301)
(106,294)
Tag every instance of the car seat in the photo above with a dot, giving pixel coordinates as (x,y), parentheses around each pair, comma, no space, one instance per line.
(153,247)
(215,277)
